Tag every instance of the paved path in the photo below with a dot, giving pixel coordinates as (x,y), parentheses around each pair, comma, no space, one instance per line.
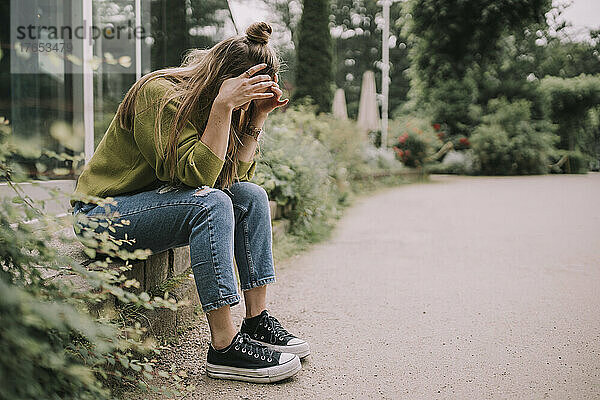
(464,288)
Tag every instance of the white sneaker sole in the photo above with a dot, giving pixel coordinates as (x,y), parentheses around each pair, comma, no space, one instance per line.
(262,375)
(301,350)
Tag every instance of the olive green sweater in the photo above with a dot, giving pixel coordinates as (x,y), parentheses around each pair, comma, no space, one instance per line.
(126,161)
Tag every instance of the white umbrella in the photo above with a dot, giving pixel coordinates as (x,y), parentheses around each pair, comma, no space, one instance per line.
(368,112)
(339,105)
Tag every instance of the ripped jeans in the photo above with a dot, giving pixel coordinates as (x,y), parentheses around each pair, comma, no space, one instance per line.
(217,225)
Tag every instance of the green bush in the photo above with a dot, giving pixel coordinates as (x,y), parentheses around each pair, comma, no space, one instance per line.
(510,142)
(310,161)
(445,49)
(52,346)
(298,170)
(570,101)
(575,162)
(341,138)
(416,141)
(492,147)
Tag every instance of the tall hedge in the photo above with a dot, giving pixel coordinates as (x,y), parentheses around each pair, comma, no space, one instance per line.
(314,71)
(570,101)
(450,38)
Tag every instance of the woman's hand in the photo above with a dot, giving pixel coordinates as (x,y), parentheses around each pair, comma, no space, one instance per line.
(235,92)
(265,106)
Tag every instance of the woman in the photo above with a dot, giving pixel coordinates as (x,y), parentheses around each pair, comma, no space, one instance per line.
(178,159)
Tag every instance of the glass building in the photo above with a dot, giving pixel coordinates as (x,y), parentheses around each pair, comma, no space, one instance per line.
(65,66)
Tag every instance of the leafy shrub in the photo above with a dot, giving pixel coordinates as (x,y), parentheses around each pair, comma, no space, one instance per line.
(52,346)
(417,140)
(575,162)
(299,170)
(492,148)
(510,142)
(570,100)
(309,162)
(461,143)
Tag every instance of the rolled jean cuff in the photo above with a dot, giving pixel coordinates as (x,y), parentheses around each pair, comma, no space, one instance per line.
(227,301)
(260,282)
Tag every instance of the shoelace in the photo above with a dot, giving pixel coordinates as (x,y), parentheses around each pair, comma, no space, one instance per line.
(277,331)
(248,346)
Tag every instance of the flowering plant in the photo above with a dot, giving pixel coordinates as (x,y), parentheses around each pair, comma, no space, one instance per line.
(412,147)
(462,143)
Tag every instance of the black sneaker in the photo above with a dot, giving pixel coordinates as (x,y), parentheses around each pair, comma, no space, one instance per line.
(247,360)
(267,330)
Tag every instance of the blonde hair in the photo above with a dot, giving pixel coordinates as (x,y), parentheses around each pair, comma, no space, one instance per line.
(196,84)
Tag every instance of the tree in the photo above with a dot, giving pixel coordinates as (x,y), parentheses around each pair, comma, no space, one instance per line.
(355,27)
(446,50)
(314,75)
(570,100)
(178,25)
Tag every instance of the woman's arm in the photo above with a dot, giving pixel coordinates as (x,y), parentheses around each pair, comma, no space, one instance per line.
(262,110)
(248,149)
(234,92)
(216,132)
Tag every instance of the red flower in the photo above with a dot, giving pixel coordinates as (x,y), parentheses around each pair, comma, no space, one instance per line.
(407,153)
(464,141)
(437,127)
(441,135)
(402,139)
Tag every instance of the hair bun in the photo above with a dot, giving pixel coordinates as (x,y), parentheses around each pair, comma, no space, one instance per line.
(259,32)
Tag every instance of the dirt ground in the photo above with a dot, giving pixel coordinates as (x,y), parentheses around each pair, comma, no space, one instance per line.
(466,288)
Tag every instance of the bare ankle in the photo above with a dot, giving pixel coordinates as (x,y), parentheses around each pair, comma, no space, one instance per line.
(254,312)
(255,300)
(222,330)
(222,340)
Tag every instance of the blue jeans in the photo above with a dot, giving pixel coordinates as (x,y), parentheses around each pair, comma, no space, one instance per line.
(216,224)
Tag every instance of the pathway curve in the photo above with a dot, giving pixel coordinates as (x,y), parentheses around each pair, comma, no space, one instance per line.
(460,288)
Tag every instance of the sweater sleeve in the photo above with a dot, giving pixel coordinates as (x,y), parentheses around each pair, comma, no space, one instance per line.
(197,164)
(246,170)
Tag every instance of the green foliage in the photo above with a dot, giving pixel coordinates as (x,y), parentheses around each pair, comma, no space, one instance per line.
(455,105)
(571,99)
(355,28)
(309,163)
(298,170)
(569,58)
(173,22)
(34,361)
(510,142)
(513,72)
(54,345)
(569,162)
(446,49)
(492,147)
(314,73)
